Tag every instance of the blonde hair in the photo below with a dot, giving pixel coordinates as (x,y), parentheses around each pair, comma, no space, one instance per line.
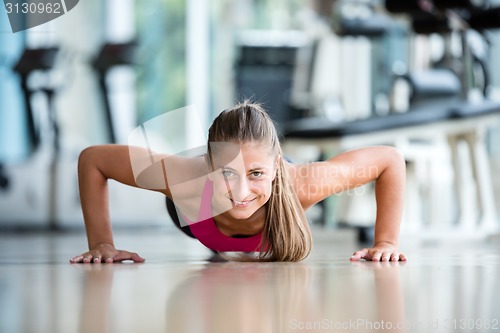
(286,235)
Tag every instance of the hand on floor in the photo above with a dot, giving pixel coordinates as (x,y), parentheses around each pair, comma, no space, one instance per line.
(106,253)
(381,251)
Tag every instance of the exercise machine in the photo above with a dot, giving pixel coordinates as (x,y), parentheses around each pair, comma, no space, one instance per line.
(446,111)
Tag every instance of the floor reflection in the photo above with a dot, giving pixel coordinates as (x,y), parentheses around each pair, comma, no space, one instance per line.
(95,310)
(242,298)
(441,289)
(275,297)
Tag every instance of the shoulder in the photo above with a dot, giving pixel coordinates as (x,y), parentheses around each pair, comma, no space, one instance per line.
(184,170)
(176,175)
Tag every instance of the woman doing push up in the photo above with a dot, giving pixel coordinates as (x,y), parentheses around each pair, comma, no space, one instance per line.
(241,195)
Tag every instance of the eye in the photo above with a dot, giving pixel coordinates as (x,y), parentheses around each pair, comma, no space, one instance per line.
(227,173)
(256,174)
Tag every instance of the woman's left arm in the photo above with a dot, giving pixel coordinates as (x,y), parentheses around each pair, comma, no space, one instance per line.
(383,164)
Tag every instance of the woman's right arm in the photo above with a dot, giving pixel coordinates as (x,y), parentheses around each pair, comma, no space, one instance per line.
(96,165)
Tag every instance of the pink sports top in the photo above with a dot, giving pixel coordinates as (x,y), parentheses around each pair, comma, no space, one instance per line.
(208,234)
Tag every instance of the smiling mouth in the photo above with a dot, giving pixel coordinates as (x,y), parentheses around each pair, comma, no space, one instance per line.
(241,204)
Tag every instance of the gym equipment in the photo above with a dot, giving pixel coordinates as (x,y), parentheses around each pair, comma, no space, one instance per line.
(426,23)
(265,69)
(109,56)
(363,20)
(35,60)
(431,87)
(41,59)
(406,6)
(475,14)
(42,190)
(29,188)
(439,107)
(4,180)
(484,19)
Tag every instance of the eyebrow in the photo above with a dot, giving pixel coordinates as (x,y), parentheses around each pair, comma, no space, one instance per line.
(258,168)
(226,168)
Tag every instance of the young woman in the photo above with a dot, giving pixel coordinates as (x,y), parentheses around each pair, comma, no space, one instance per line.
(251,201)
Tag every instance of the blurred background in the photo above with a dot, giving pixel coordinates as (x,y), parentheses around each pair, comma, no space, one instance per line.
(334,75)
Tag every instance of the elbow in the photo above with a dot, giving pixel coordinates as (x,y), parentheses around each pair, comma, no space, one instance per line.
(395,162)
(87,158)
(397,158)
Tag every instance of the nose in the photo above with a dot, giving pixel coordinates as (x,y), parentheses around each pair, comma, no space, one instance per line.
(240,189)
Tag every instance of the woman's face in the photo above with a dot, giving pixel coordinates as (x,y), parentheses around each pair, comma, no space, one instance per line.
(242,178)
